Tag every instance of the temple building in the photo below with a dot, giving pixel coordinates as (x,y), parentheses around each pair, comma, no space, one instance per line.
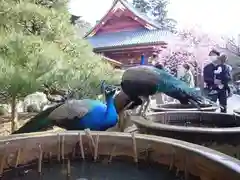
(126,35)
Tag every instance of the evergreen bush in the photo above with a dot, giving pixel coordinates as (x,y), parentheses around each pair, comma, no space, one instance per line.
(39,45)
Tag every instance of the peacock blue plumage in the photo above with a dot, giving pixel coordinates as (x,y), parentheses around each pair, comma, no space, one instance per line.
(86,113)
(77,115)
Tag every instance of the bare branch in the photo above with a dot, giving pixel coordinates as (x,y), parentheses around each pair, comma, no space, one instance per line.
(54,93)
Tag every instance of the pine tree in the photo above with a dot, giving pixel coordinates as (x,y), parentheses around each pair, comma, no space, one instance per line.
(39,45)
(142,5)
(156,9)
(160,14)
(82,26)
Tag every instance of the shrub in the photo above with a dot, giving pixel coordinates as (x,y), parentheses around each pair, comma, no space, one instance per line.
(39,45)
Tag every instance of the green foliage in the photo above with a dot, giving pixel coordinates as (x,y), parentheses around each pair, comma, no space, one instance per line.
(142,5)
(33,19)
(25,62)
(39,45)
(158,10)
(3,111)
(82,27)
(160,13)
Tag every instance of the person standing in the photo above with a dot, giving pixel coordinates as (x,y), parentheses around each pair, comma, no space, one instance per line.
(221,80)
(154,59)
(208,74)
(229,70)
(188,76)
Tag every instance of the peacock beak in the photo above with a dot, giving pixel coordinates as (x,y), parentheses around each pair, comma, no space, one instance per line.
(106,88)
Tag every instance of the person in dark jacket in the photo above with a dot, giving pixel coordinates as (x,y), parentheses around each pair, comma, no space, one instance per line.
(208,73)
(222,78)
(223,73)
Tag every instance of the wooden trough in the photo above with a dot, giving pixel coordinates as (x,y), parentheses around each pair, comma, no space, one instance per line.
(236,111)
(19,154)
(181,107)
(215,130)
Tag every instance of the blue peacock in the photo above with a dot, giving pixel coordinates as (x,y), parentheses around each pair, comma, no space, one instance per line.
(140,82)
(77,114)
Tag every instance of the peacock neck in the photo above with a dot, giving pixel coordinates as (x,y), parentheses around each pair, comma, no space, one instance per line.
(111,112)
(110,103)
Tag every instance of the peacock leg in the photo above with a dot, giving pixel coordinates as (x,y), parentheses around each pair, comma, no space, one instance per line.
(146,107)
(125,121)
(127,106)
(121,123)
(141,108)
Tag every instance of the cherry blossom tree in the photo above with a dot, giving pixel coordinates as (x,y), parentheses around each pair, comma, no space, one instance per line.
(189,46)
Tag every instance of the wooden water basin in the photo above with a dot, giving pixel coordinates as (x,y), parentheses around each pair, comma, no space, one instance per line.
(40,155)
(216,130)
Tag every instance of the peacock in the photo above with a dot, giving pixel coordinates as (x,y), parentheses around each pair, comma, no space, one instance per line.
(76,114)
(140,82)
(122,102)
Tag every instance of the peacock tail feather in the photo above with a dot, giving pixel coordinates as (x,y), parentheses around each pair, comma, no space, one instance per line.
(40,122)
(176,88)
(148,80)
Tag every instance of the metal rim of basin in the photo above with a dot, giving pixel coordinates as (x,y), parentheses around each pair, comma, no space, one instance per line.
(167,107)
(196,160)
(236,111)
(139,120)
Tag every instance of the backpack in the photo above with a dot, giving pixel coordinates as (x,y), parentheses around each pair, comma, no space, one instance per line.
(227,73)
(208,74)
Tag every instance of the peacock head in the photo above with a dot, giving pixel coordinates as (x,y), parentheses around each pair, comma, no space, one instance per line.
(108,90)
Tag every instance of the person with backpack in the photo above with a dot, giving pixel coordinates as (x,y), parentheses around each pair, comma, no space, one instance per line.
(208,74)
(223,74)
(222,77)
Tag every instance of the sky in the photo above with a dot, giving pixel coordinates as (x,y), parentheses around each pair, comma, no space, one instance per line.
(213,16)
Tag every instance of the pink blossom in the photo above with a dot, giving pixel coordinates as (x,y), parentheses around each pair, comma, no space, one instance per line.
(190,46)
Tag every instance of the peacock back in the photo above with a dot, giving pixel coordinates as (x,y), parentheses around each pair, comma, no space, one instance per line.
(141,74)
(141,80)
(148,80)
(74,109)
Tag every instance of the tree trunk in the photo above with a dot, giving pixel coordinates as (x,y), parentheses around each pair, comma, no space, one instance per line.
(14,114)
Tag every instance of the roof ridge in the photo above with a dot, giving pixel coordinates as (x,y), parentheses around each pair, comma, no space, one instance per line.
(90,31)
(130,38)
(132,9)
(141,15)
(135,30)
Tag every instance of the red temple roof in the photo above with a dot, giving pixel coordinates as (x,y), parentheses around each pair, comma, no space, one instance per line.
(124,34)
(117,7)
